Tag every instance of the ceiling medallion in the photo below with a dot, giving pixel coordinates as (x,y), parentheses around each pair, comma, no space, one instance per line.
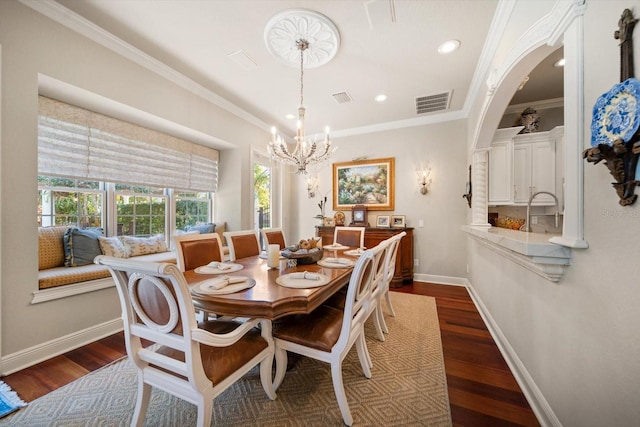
(285,29)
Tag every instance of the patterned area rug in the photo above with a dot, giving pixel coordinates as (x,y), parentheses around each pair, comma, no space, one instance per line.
(408,388)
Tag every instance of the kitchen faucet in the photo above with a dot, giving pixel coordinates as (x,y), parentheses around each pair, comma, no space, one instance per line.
(527,224)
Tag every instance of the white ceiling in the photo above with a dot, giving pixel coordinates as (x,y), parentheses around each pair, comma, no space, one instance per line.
(376,54)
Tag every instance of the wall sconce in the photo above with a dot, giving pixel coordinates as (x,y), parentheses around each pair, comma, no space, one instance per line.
(424,172)
(312,186)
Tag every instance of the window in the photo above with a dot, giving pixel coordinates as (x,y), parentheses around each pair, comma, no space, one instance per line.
(140,211)
(96,170)
(192,208)
(66,201)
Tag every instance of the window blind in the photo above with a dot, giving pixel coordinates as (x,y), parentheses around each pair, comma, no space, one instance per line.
(78,143)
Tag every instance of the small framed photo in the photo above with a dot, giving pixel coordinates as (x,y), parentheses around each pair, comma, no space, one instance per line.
(398,221)
(383,221)
(328,222)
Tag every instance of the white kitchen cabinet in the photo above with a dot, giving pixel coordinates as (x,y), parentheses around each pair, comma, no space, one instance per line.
(500,169)
(520,165)
(534,168)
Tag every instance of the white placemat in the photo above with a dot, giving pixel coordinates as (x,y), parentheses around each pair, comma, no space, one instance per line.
(213,268)
(334,247)
(336,262)
(354,252)
(297,280)
(236,284)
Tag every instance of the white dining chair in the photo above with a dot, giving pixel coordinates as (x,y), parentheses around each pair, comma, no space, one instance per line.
(333,334)
(195,362)
(242,244)
(390,269)
(349,236)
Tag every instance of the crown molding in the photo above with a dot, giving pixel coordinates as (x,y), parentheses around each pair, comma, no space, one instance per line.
(544,104)
(86,28)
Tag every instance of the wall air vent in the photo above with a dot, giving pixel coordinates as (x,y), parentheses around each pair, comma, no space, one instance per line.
(431,103)
(342,97)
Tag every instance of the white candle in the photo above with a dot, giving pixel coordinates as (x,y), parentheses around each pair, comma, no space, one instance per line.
(273,256)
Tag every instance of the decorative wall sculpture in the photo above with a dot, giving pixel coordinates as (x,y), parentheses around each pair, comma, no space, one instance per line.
(616,119)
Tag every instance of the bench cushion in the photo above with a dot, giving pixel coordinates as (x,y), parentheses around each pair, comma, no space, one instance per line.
(50,247)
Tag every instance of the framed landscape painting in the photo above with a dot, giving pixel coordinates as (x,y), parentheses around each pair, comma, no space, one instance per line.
(364,182)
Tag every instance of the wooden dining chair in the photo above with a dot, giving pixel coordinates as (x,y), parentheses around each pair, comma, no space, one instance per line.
(349,236)
(242,244)
(380,252)
(195,362)
(327,333)
(273,236)
(196,250)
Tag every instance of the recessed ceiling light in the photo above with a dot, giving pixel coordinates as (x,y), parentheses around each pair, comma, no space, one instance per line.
(448,46)
(290,116)
(559,63)
(381,98)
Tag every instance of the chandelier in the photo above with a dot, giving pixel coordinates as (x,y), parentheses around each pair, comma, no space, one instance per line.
(301,28)
(306,152)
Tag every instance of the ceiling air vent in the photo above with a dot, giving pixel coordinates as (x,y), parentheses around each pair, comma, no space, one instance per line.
(342,97)
(431,103)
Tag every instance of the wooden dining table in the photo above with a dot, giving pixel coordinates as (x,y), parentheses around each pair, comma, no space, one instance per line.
(267,299)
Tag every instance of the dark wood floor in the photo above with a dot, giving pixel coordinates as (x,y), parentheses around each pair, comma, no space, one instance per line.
(482,390)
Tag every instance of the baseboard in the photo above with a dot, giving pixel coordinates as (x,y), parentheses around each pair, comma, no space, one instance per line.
(25,358)
(533,394)
(541,408)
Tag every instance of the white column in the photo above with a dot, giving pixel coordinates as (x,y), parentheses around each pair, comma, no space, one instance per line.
(573,219)
(479,181)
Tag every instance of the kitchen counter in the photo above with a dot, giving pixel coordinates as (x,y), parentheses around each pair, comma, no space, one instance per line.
(531,250)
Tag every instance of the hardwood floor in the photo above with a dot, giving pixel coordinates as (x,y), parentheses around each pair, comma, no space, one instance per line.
(482,390)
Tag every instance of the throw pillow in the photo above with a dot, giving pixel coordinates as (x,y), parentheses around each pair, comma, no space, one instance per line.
(81,246)
(113,246)
(202,228)
(144,245)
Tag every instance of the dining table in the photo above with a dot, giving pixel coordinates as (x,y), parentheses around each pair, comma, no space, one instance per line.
(267,298)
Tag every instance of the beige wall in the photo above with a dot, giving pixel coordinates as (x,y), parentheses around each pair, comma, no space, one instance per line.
(440,245)
(32,44)
(578,338)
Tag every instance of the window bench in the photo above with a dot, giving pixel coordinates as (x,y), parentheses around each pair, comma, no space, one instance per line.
(57,281)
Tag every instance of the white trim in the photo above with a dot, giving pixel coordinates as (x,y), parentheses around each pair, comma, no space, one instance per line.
(541,408)
(545,104)
(44,351)
(539,405)
(58,292)
(77,23)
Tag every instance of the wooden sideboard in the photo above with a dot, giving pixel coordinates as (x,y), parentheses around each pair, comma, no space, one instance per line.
(373,236)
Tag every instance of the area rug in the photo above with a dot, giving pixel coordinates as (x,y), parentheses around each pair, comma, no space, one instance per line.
(408,387)
(9,400)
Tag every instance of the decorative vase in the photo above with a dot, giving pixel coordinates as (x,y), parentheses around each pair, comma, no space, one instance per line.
(530,120)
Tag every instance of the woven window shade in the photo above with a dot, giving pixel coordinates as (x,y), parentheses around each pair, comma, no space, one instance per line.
(77,143)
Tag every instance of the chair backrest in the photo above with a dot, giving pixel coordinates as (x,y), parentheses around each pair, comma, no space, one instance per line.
(392,254)
(242,244)
(273,236)
(358,299)
(349,236)
(380,253)
(196,250)
(157,306)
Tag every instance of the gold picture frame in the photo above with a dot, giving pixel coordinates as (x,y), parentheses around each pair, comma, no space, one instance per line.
(368,182)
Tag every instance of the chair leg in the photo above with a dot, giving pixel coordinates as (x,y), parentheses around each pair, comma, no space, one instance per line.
(281,367)
(376,320)
(265,377)
(341,397)
(391,310)
(205,409)
(142,402)
(380,315)
(364,356)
